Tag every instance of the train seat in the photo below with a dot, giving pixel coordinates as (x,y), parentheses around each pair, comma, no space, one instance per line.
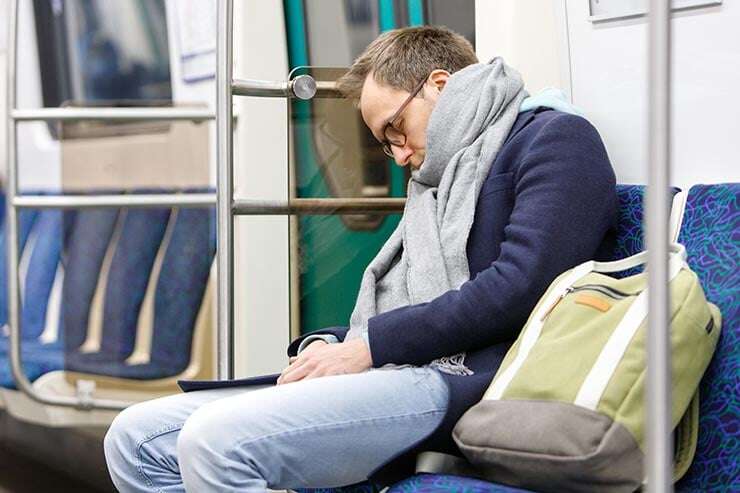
(163,259)
(708,228)
(137,246)
(711,234)
(39,271)
(26,219)
(87,234)
(180,286)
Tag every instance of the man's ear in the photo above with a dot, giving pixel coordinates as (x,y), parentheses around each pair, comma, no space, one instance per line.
(438,79)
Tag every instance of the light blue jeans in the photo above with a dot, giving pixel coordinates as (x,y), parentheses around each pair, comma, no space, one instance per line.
(324,432)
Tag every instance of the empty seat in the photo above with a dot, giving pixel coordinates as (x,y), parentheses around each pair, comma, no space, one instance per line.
(140,238)
(26,219)
(178,297)
(38,271)
(87,235)
(711,234)
(86,248)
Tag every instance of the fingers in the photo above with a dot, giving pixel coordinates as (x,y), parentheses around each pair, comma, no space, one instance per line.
(296,371)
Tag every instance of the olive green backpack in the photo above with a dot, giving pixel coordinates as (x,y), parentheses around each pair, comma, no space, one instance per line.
(565,411)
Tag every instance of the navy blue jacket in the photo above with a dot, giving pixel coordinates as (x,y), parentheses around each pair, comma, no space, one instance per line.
(547,204)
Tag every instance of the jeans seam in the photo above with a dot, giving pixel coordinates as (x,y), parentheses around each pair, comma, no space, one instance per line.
(148,438)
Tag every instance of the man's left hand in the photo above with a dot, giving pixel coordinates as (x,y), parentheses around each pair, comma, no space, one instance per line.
(332,359)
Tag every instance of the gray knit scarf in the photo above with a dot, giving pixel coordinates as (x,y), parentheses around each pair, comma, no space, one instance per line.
(426,254)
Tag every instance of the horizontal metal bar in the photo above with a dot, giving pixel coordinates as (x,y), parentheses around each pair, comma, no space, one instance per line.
(112,114)
(264,88)
(325,89)
(83,202)
(302,87)
(329,207)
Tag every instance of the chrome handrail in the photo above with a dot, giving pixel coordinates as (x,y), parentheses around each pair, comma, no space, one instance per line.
(658,391)
(302,87)
(225,191)
(111,114)
(321,206)
(127,201)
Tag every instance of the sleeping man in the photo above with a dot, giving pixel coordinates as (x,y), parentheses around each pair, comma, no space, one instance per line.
(506,192)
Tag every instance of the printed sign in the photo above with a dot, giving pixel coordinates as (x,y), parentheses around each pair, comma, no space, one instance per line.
(602,10)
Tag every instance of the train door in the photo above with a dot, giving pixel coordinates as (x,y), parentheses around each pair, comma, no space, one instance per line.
(335,155)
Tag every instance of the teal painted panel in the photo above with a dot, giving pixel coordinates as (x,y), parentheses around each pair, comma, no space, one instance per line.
(416,13)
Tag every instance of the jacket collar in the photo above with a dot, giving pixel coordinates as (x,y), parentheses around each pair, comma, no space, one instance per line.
(522,120)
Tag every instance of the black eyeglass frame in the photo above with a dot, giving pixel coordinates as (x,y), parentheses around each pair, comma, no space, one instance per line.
(386,143)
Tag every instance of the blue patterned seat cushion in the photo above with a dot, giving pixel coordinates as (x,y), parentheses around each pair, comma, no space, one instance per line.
(440,483)
(425,483)
(711,234)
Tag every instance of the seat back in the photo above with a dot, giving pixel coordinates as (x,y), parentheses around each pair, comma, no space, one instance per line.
(41,271)
(85,247)
(711,234)
(141,236)
(26,219)
(180,288)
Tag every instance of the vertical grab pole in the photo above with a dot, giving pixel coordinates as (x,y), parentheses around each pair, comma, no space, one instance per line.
(12,190)
(225,172)
(659,433)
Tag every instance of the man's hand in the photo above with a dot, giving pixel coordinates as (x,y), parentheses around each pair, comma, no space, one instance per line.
(321,360)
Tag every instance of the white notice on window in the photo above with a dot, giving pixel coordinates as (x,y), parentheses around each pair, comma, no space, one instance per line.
(196,28)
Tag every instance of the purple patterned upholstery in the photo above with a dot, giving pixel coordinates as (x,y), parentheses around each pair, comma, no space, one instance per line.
(711,234)
(438,483)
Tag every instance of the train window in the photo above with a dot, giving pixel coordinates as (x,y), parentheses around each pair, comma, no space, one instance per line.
(95,53)
(98,50)
(345,152)
(333,153)
(458,15)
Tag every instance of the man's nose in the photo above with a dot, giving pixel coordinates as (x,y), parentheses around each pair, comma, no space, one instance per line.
(402,154)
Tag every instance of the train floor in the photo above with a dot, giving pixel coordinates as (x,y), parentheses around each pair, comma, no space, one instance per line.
(40,459)
(21,474)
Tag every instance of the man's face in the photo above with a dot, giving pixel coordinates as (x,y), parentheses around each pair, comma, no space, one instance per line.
(378,104)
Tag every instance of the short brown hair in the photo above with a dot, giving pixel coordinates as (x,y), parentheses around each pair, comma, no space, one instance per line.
(401,58)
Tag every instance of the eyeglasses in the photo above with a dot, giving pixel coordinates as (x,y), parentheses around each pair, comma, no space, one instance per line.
(391,135)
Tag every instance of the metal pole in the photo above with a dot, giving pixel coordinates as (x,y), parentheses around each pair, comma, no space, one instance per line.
(95,201)
(225,171)
(111,114)
(21,381)
(659,433)
(329,207)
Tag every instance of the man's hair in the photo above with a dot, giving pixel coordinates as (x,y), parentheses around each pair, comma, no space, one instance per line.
(401,58)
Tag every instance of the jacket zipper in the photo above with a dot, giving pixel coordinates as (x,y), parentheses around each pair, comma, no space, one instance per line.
(599,288)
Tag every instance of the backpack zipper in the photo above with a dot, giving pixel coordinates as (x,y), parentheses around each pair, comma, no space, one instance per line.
(599,288)
(605,290)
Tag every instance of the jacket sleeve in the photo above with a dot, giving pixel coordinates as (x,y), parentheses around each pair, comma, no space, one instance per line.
(565,202)
(338,332)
